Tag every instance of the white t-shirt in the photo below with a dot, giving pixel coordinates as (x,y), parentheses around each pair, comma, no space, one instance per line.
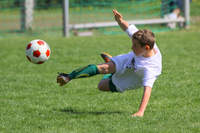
(136,71)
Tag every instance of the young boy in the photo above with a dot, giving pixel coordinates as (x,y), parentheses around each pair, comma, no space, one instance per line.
(138,68)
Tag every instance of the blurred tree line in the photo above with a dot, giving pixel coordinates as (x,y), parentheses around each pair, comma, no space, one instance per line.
(54,3)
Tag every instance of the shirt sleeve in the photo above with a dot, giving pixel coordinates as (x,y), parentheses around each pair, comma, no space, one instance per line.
(149,78)
(149,82)
(131,30)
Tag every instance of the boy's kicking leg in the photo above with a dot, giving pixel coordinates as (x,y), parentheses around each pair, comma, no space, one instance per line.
(88,71)
(106,83)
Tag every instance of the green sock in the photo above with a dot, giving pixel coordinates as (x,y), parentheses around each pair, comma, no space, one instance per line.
(87,71)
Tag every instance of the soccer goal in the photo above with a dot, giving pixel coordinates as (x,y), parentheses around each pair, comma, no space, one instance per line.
(89,14)
(72,17)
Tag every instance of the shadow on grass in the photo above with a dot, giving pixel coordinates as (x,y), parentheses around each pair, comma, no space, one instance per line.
(76,112)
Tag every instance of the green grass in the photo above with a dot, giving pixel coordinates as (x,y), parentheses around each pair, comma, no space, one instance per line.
(32,102)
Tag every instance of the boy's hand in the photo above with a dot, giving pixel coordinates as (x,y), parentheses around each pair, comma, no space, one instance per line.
(117,15)
(119,18)
(138,114)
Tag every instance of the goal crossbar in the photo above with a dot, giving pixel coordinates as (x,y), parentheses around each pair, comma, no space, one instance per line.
(113,23)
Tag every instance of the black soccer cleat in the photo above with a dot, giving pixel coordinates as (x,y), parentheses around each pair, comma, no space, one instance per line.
(106,57)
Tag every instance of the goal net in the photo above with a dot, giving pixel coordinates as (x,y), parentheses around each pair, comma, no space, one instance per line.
(90,14)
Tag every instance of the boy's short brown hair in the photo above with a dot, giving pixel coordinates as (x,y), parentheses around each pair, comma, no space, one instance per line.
(145,37)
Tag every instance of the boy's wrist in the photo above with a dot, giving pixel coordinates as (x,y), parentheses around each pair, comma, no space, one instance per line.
(120,20)
(141,110)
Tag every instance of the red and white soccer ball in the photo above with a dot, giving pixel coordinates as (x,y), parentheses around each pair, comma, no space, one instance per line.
(38,51)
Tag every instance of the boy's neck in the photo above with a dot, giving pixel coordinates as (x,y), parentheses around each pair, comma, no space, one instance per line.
(150,53)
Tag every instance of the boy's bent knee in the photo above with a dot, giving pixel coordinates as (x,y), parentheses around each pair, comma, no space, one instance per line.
(104,85)
(106,68)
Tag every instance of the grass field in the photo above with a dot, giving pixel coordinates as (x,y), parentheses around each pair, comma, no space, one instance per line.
(32,102)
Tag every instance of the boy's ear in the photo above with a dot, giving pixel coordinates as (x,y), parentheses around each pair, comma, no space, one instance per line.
(147,47)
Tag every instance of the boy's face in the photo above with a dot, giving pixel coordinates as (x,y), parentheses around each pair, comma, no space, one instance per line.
(137,48)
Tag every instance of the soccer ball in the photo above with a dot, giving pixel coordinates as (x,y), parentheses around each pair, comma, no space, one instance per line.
(38,51)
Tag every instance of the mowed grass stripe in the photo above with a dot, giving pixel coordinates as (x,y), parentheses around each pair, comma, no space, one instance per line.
(31,101)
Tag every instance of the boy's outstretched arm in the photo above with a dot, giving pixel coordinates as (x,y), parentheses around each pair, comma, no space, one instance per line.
(119,18)
(144,102)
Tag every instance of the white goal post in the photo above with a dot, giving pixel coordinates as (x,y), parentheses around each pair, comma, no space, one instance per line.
(27,11)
